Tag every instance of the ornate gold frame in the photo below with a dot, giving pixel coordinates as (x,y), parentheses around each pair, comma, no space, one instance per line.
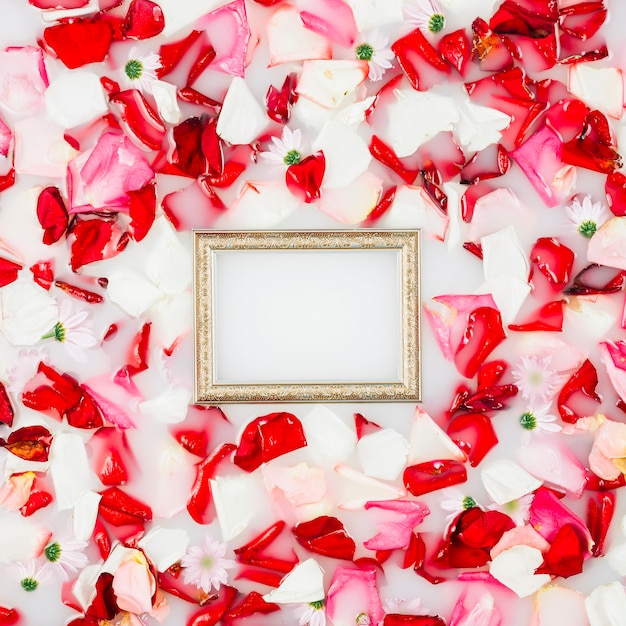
(207,391)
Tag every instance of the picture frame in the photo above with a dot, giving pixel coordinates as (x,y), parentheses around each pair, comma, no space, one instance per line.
(314,316)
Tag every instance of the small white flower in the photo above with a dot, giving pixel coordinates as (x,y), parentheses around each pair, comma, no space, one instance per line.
(205,567)
(140,70)
(287,150)
(65,557)
(375,51)
(456,502)
(426,14)
(537,417)
(30,575)
(535,378)
(587,216)
(72,332)
(518,510)
(311,613)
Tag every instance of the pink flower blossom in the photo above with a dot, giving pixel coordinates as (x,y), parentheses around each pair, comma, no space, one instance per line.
(205,567)
(134,585)
(535,378)
(352,596)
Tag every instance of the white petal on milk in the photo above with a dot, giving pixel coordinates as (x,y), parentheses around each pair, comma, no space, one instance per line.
(413,208)
(479,126)
(241,118)
(559,605)
(301,483)
(506,481)
(509,294)
(383,453)
(27,312)
(288,40)
(606,605)
(515,568)
(165,546)
(85,514)
(237,502)
(593,316)
(169,407)
(40,148)
(305,583)
(455,234)
(600,88)
(357,489)
(90,8)
(329,83)
(20,538)
(181,13)
(70,470)
(428,442)
(329,439)
(353,203)
(354,114)
(261,204)
(15,465)
(172,317)
(75,98)
(169,263)
(165,96)
(608,245)
(616,558)
(346,153)
(132,291)
(84,588)
(374,13)
(417,116)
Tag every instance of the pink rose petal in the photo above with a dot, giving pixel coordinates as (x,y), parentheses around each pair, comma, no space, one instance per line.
(23,79)
(332,19)
(353,592)
(520,535)
(396,534)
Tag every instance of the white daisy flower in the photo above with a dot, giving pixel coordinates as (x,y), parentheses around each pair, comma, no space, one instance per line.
(587,216)
(72,332)
(287,150)
(30,574)
(456,502)
(312,613)
(140,70)
(426,14)
(518,510)
(535,378)
(537,417)
(375,51)
(205,567)
(65,557)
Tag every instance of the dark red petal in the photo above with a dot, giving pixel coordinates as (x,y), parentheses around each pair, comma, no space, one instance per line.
(474,434)
(142,120)
(232,171)
(566,554)
(194,441)
(92,239)
(423,65)
(31,443)
(79,292)
(567,118)
(491,49)
(474,248)
(204,58)
(188,155)
(383,204)
(263,540)
(592,280)
(43,274)
(137,359)
(280,101)
(532,18)
(456,49)
(399,619)
(489,398)
(327,536)
(7,413)
(433,475)
(490,373)
(486,530)
(142,210)
(600,510)
(170,54)
(118,508)
(483,334)
(86,414)
(8,271)
(364,426)
(191,95)
(212,613)
(104,605)
(268,437)
(553,260)
(212,149)
(252,604)
(52,214)
(491,162)
(585,380)
(383,153)
(304,179)
(37,500)
(80,41)
(549,317)
(200,498)
(615,189)
(143,20)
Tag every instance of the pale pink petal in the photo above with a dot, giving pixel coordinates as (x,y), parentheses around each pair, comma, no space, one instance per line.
(332,19)
(301,484)
(520,535)
(229,33)
(23,79)
(602,466)
(397,533)
(16,490)
(559,605)
(608,245)
(354,202)
(111,411)
(6,138)
(134,585)
(353,592)
(475,607)
(329,83)
(613,355)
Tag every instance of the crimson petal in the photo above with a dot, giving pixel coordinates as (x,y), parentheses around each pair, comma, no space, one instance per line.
(142,210)
(585,380)
(80,42)
(52,214)
(143,121)
(143,20)
(213,612)
(43,274)
(325,535)
(31,443)
(600,512)
(474,434)
(92,242)
(304,179)
(554,260)
(170,54)
(268,437)
(433,475)
(566,554)
(7,412)
(8,271)
(399,619)
(252,604)
(37,500)
(549,318)
(456,49)
(118,508)
(383,153)
(280,101)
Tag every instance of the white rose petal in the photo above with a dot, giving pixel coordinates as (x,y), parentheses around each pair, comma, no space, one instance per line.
(85,515)
(606,605)
(132,291)
(509,294)
(359,489)
(515,568)
(169,407)
(353,203)
(165,96)
(75,98)
(329,83)
(165,546)
(608,245)
(479,126)
(172,317)
(20,539)
(84,588)
(383,453)
(241,118)
(505,481)
(594,316)
(329,439)
(169,264)
(237,502)
(374,13)
(456,226)
(559,605)
(305,583)
(428,442)
(617,558)
(598,87)
(180,13)
(27,312)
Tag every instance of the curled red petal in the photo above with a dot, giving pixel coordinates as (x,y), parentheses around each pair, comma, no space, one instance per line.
(102,539)
(279,101)
(37,500)
(7,413)
(474,434)
(490,373)
(193,96)
(488,398)
(231,172)
(399,619)
(194,441)
(456,49)
(582,20)
(144,19)
(554,260)
(532,19)
(170,54)
(566,554)
(214,610)
(364,426)
(549,318)
(268,437)
(615,189)
(31,443)
(304,179)
(80,41)
(78,292)
(252,604)
(592,280)
(482,335)
(142,210)
(52,214)
(264,539)
(433,475)
(204,58)
(585,380)
(325,535)
(143,121)
(43,274)
(491,162)
(490,48)
(385,155)
(92,242)
(8,271)
(600,510)
(212,149)
(137,360)
(8,617)
(383,205)
(118,508)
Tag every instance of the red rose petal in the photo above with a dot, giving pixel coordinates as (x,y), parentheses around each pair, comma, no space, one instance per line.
(31,443)
(7,413)
(80,41)
(491,162)
(487,399)
(582,20)
(585,380)
(137,359)
(600,512)
(143,20)
(194,441)
(304,179)
(268,437)
(474,434)
(490,373)
(143,121)
(59,5)
(566,554)
(398,619)
(615,188)
(43,274)
(8,271)
(325,535)
(213,612)
(170,54)
(533,18)
(93,241)
(280,101)
(492,50)
(52,214)
(8,616)
(142,210)
(383,153)
(549,318)
(456,49)
(593,280)
(252,604)
(118,508)
(37,500)
(188,156)
(204,58)
(79,292)
(383,205)
(433,475)
(104,605)
(364,426)
(554,260)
